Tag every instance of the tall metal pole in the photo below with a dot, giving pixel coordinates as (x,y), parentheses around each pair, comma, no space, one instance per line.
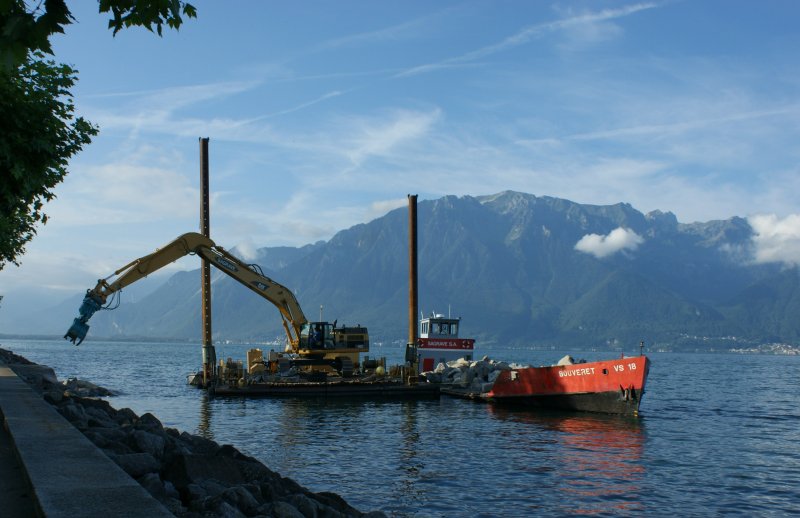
(209,354)
(413,302)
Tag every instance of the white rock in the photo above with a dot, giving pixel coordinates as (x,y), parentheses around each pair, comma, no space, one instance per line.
(459,363)
(566,360)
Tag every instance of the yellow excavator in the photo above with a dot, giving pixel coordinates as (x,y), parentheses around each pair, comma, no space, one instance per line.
(313,343)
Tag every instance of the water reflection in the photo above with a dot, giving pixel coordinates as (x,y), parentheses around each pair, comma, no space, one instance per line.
(596,460)
(204,424)
(297,420)
(410,464)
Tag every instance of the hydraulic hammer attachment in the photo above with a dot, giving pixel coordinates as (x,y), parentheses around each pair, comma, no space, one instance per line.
(77,331)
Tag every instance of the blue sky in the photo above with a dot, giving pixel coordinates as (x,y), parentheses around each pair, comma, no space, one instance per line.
(323,115)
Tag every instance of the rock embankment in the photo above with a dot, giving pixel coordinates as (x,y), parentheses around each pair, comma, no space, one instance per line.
(190,475)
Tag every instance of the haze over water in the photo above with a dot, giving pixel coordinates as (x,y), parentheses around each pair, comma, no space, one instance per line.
(718,435)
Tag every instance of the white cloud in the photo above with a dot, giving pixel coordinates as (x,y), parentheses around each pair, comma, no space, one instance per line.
(171,110)
(172,98)
(776,240)
(402,31)
(122,193)
(246,250)
(379,138)
(302,106)
(591,23)
(381,208)
(617,240)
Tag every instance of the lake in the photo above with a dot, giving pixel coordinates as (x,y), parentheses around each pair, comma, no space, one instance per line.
(718,434)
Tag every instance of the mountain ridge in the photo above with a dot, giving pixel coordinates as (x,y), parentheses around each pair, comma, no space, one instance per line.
(511,266)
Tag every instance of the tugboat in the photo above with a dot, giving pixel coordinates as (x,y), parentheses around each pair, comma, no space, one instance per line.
(439,342)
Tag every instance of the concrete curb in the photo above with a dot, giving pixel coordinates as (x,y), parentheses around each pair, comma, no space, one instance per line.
(68,474)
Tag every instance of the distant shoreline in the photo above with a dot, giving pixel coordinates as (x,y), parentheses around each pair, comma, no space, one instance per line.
(778,349)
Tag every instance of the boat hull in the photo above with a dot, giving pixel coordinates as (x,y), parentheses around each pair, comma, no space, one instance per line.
(612,386)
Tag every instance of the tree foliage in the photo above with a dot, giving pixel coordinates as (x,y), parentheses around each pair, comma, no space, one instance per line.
(39,133)
(150,14)
(27,28)
(24,30)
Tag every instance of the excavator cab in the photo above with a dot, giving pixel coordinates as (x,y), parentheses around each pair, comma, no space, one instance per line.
(325,347)
(316,336)
(324,337)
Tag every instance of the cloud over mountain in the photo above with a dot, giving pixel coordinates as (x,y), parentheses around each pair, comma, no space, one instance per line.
(776,240)
(615,241)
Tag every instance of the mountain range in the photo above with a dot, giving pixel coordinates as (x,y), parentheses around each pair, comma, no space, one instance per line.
(518,268)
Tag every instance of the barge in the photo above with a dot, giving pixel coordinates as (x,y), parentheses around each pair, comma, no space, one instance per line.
(281,375)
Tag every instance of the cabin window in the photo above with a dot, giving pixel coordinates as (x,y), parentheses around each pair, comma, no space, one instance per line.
(453,329)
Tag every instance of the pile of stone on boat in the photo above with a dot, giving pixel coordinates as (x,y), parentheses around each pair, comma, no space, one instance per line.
(190,475)
(469,376)
(477,377)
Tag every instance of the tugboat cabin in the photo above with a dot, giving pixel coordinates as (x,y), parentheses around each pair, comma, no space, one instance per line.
(439,342)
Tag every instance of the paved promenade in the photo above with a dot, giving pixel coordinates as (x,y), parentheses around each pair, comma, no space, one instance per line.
(16,497)
(50,469)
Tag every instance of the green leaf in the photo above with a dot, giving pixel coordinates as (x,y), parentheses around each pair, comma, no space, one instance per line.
(39,133)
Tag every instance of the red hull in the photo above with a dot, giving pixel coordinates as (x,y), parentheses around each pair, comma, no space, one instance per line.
(612,386)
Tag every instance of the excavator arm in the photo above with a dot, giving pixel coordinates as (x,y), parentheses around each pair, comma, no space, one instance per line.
(251,276)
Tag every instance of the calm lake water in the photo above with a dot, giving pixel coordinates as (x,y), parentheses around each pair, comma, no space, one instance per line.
(719,434)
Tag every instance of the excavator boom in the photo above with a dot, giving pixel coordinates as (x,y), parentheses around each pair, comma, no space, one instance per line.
(251,276)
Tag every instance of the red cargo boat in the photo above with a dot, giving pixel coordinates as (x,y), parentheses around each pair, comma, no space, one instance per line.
(611,386)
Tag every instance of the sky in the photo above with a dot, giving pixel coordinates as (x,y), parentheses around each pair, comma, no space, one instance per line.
(323,115)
